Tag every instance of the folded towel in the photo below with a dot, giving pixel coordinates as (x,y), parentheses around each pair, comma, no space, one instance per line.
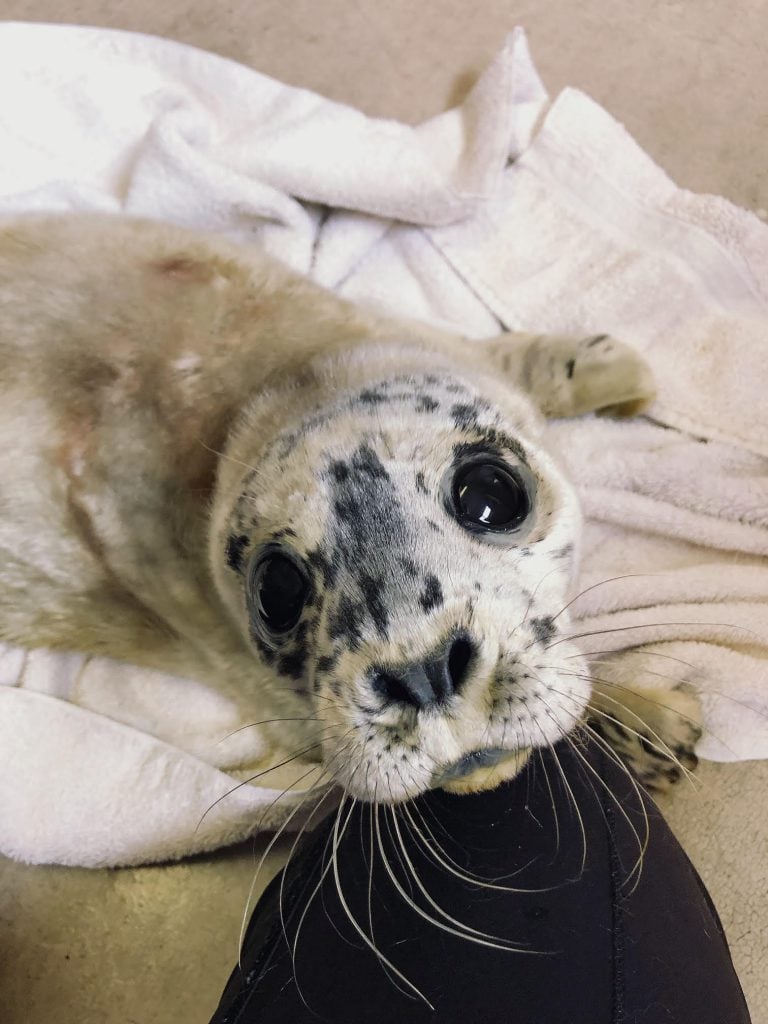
(109,764)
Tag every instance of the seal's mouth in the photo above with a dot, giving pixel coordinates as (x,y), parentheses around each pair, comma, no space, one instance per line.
(467,765)
(480,769)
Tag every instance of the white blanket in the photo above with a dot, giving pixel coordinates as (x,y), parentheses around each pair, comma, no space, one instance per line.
(104,764)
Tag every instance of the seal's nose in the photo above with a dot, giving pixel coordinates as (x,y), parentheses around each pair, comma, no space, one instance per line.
(430,682)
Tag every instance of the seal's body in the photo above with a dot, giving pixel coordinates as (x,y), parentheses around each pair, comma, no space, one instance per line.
(213,467)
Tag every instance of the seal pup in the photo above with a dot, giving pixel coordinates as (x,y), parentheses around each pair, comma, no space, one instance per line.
(346,523)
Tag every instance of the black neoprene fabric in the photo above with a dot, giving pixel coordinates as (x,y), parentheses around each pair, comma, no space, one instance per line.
(599,945)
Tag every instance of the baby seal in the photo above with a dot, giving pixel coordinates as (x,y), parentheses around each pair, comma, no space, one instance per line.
(211,466)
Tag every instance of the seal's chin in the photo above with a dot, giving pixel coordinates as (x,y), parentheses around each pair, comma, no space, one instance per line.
(482,769)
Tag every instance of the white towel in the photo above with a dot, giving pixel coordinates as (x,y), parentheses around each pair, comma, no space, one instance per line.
(105,764)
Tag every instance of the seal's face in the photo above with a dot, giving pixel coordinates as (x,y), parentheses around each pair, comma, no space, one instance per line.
(405,554)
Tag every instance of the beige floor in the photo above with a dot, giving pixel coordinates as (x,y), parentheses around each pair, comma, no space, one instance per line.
(690,81)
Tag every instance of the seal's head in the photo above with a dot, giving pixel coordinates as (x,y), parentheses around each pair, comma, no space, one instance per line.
(402,547)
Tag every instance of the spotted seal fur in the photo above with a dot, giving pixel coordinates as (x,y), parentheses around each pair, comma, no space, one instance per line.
(213,467)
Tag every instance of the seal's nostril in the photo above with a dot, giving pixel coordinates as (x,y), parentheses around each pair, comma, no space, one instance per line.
(459,657)
(395,690)
(416,685)
(430,682)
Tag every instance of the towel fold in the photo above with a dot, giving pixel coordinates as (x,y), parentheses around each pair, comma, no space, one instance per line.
(106,764)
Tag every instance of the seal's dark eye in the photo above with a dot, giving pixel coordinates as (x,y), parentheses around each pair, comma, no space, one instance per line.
(490,496)
(278,591)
